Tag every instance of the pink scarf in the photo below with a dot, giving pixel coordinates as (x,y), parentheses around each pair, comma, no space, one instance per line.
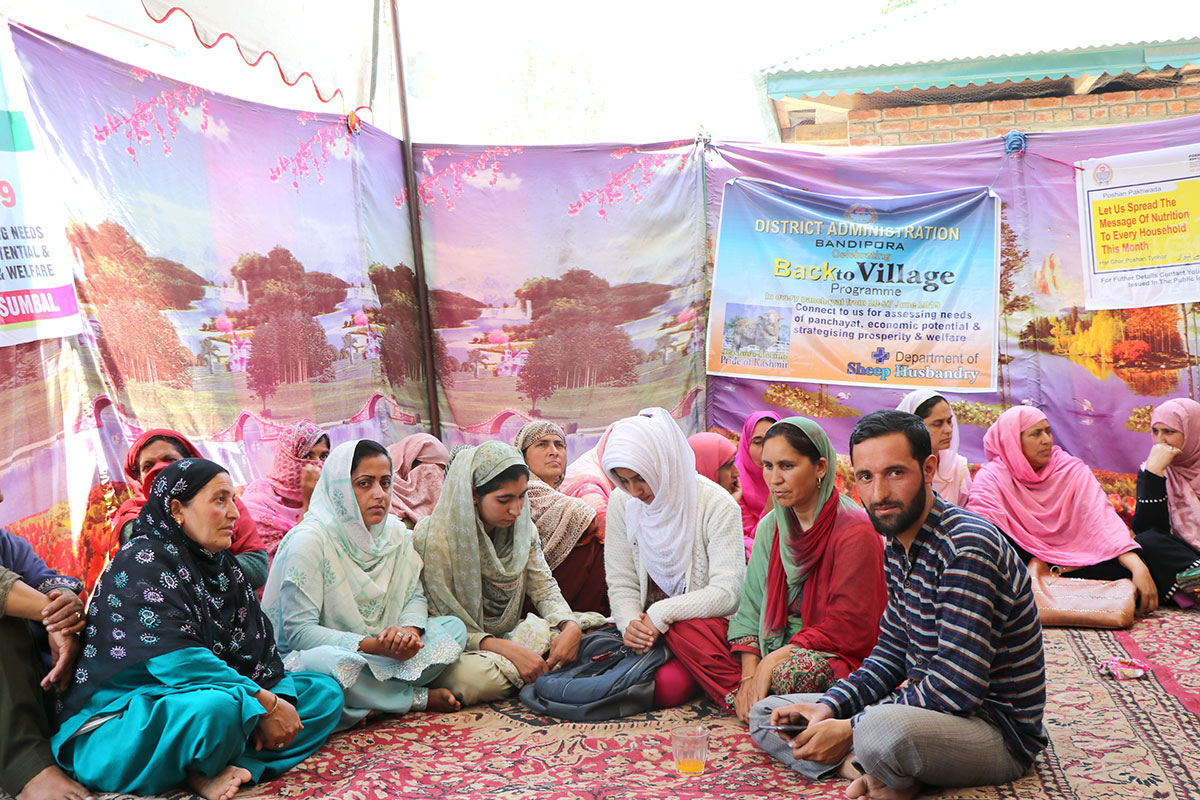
(585,476)
(1058,514)
(754,487)
(275,501)
(712,451)
(415,490)
(1183,474)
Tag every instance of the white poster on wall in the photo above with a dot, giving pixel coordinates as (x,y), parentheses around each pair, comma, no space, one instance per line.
(37,282)
(1140,223)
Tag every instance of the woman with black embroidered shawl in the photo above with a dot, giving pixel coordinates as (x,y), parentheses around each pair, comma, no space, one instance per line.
(179,672)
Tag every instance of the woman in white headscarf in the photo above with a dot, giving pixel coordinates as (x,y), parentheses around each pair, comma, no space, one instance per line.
(345,598)
(953,478)
(673,552)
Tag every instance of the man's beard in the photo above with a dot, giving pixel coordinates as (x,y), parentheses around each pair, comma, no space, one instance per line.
(909,513)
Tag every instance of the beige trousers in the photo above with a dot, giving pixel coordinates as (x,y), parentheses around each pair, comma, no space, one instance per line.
(475,678)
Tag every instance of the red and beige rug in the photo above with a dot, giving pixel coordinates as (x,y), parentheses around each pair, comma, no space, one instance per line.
(1111,740)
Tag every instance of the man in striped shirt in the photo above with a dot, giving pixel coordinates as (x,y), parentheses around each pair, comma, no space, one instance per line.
(953,693)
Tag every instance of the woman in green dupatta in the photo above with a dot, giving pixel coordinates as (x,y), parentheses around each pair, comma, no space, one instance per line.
(344,594)
(814,590)
(482,557)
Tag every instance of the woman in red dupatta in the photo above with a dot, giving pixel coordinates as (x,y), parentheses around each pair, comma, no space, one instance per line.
(151,453)
(814,590)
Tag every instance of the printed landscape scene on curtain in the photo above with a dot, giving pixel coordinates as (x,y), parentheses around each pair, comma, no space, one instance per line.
(568,283)
(241,266)
(228,261)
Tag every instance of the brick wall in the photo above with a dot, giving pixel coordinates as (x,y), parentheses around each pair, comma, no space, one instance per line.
(962,121)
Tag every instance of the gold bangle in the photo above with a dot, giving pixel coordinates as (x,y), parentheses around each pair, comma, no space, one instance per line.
(272,711)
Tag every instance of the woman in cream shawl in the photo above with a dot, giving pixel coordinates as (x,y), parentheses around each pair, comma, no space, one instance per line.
(572,532)
(345,597)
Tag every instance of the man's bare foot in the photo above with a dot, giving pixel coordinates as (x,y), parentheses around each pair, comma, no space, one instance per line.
(847,769)
(875,789)
(222,786)
(442,700)
(53,784)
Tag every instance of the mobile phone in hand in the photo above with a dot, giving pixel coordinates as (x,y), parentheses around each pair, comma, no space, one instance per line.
(790,728)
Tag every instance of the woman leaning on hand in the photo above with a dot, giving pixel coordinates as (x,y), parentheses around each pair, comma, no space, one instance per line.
(1167,517)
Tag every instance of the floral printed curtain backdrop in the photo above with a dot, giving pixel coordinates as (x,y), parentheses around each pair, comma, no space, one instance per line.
(242,266)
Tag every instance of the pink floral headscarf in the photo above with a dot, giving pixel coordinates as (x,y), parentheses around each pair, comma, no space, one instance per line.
(275,501)
(415,490)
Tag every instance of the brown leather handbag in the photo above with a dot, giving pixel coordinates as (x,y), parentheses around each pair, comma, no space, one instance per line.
(1065,602)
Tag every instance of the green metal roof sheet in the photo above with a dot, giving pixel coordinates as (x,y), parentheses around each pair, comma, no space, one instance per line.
(979,71)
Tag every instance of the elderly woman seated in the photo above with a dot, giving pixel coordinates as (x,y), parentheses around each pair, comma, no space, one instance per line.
(179,664)
(1051,506)
(571,531)
(152,452)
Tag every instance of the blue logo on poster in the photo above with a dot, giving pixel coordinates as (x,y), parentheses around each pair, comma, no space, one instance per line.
(880,355)
(861,213)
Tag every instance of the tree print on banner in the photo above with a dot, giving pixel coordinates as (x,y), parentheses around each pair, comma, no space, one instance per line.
(290,347)
(578,356)
(403,356)
(551,313)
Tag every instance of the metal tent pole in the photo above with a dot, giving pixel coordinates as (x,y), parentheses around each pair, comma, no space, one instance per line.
(414,221)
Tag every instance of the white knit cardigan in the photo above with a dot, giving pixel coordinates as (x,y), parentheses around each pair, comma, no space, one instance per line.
(718,567)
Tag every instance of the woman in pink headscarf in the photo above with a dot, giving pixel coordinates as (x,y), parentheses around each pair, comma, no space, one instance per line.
(750,474)
(1167,517)
(280,500)
(1052,507)
(714,460)
(586,479)
(420,464)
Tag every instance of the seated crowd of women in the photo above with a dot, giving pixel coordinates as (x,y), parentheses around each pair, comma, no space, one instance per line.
(412,578)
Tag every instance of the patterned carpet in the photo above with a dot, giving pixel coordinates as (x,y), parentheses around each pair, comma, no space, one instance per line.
(1110,739)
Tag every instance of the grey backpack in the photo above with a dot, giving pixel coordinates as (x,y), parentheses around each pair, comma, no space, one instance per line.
(606,681)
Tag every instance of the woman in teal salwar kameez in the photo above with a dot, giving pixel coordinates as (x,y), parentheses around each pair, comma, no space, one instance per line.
(344,594)
(180,681)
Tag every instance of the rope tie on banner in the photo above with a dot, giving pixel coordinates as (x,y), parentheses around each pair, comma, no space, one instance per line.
(1016,142)
(1056,161)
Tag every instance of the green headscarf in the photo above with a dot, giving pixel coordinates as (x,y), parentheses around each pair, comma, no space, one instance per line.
(360,578)
(468,574)
(750,619)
